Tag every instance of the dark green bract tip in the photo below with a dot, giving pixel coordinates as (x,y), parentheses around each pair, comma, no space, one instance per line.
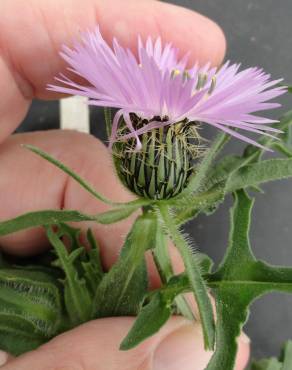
(161,169)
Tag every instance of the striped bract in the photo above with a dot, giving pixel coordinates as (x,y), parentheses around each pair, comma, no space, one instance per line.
(160,170)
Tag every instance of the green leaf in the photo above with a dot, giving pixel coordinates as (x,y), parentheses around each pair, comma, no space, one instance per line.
(287,135)
(256,153)
(206,202)
(234,174)
(268,364)
(164,266)
(282,148)
(30,309)
(238,251)
(219,179)
(41,218)
(215,188)
(222,170)
(259,173)
(124,286)
(285,145)
(18,335)
(156,310)
(284,362)
(194,274)
(52,217)
(239,280)
(205,262)
(93,271)
(286,356)
(197,179)
(116,214)
(86,261)
(136,203)
(69,172)
(151,318)
(159,305)
(77,297)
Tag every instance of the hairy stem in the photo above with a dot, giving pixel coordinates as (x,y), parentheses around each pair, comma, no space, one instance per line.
(195,278)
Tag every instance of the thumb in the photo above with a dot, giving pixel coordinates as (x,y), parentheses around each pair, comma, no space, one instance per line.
(95,346)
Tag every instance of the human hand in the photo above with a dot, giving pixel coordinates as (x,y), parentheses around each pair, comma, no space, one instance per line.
(31,33)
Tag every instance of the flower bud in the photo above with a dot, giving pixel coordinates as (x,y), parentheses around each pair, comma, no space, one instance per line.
(161,168)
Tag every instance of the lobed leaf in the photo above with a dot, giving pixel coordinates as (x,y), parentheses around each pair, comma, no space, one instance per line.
(239,280)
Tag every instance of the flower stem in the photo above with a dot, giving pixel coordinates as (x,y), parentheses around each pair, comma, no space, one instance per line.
(195,278)
(164,267)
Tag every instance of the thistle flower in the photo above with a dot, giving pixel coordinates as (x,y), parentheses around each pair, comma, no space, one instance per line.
(157,94)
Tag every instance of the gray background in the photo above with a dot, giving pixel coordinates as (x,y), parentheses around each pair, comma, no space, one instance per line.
(258,33)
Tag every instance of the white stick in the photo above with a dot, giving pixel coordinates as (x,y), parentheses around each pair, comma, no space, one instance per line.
(74,114)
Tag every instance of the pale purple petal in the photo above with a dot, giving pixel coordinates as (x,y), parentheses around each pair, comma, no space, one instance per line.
(158,84)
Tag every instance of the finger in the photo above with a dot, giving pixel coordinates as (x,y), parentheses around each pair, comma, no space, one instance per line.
(243,352)
(94,346)
(31,38)
(29,183)
(4,358)
(243,340)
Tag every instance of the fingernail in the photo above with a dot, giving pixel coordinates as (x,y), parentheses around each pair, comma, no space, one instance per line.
(243,352)
(182,349)
(4,356)
(244,338)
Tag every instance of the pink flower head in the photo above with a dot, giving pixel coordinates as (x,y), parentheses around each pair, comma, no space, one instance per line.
(158,86)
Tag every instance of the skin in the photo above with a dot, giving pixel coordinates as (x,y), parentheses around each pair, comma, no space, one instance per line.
(31,33)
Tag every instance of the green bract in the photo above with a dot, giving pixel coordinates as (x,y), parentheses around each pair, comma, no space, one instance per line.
(40,301)
(161,169)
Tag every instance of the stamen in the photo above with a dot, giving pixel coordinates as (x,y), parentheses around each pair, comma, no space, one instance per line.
(202,79)
(213,85)
(186,75)
(175,72)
